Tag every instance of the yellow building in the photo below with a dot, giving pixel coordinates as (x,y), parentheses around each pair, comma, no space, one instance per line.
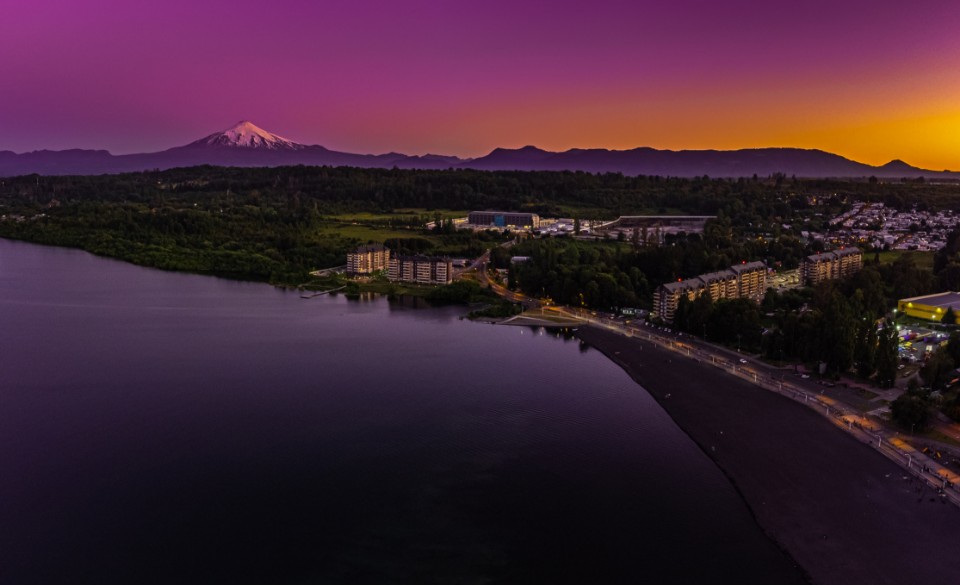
(930,307)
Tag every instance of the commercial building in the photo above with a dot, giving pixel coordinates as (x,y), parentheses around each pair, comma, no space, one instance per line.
(368,259)
(740,281)
(504,219)
(830,265)
(420,269)
(930,307)
(652,230)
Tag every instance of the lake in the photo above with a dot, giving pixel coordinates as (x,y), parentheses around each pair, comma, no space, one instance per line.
(158,427)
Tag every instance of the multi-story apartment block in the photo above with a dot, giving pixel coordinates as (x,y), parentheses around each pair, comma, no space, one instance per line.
(368,259)
(721,285)
(741,281)
(667,297)
(751,280)
(420,269)
(830,265)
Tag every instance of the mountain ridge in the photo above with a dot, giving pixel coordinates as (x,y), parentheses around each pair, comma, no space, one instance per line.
(247,145)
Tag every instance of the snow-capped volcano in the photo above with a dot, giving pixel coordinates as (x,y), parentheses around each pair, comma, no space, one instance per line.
(246,134)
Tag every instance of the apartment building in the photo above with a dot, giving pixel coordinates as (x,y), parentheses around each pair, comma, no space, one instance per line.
(740,281)
(368,259)
(751,280)
(420,269)
(830,265)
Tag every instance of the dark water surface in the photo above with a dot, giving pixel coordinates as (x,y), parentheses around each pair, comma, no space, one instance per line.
(168,428)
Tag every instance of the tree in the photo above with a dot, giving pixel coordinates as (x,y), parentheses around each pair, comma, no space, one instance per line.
(700,311)
(953,346)
(949,318)
(865,352)
(681,315)
(886,357)
(839,329)
(500,257)
(912,410)
(938,370)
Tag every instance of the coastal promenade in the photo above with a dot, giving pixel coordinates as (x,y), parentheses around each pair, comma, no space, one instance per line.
(845,496)
(844,511)
(867,430)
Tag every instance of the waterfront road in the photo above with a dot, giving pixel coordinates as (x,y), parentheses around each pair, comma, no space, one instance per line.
(868,430)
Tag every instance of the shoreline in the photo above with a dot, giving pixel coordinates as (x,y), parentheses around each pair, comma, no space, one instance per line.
(841,510)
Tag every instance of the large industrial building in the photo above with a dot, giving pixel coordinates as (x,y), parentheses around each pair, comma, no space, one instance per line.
(830,265)
(653,229)
(930,307)
(421,269)
(504,219)
(368,259)
(741,281)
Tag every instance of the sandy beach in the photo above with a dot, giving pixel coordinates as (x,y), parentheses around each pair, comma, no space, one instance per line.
(845,513)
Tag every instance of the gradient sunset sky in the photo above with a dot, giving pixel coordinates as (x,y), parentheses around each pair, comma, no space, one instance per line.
(871,80)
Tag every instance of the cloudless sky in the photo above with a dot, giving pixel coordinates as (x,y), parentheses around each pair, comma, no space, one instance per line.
(871,80)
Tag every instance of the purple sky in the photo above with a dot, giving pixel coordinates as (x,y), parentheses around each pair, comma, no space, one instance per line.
(871,80)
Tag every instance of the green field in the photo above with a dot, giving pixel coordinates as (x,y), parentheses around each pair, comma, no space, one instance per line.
(923,260)
(596,213)
(402,213)
(366,233)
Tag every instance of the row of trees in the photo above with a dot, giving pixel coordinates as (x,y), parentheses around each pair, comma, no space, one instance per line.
(830,329)
(618,274)
(914,408)
(751,202)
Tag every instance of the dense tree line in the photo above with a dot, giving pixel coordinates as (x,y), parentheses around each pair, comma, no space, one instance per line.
(336,190)
(625,274)
(264,223)
(914,409)
(836,323)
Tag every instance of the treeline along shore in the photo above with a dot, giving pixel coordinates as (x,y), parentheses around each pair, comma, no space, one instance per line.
(279,224)
(840,509)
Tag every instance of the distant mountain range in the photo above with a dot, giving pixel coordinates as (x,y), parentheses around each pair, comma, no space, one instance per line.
(246,145)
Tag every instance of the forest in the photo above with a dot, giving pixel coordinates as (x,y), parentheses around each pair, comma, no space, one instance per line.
(278,224)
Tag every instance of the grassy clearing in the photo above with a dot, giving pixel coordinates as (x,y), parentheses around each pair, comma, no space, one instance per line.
(366,233)
(402,213)
(591,213)
(923,260)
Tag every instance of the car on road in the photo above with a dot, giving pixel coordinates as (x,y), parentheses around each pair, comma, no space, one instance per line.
(743,361)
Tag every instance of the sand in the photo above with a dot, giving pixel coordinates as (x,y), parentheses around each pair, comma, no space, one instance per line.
(843,511)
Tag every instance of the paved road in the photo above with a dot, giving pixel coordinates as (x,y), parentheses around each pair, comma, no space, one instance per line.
(875,432)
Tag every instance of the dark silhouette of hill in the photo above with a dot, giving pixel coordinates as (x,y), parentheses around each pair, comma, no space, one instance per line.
(246,145)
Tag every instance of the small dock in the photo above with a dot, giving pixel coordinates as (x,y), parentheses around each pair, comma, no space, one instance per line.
(543,318)
(319,293)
